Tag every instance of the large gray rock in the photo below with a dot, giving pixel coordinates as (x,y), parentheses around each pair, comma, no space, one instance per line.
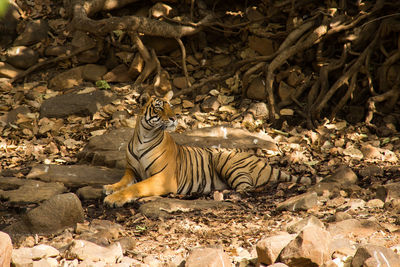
(166,207)
(52,216)
(109,149)
(78,104)
(75,175)
(17,190)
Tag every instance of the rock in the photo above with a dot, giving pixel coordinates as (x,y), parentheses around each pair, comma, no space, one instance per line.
(210,104)
(82,39)
(256,89)
(109,149)
(259,110)
(375,203)
(8,71)
(301,202)
(388,192)
(321,188)
(341,216)
(353,228)
(89,192)
(6,249)
(87,251)
(269,248)
(263,46)
(26,256)
(279,264)
(166,207)
(28,191)
(309,248)
(207,257)
(220,61)
(67,79)
(55,51)
(180,82)
(93,72)
(300,225)
(286,112)
(376,153)
(371,255)
(342,247)
(52,216)
(78,104)
(75,175)
(101,232)
(34,32)
(187,104)
(12,115)
(21,57)
(371,171)
(343,175)
(118,74)
(353,153)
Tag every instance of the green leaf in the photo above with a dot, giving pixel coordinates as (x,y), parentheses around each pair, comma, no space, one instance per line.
(102,84)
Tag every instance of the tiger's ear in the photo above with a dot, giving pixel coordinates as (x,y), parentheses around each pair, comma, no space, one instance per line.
(168,96)
(144,98)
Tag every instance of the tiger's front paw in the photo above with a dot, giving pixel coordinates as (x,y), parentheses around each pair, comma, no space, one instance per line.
(109,189)
(117,199)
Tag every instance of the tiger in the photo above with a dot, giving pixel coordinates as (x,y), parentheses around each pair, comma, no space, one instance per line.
(157,166)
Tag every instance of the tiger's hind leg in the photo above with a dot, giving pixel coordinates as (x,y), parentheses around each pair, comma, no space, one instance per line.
(125,181)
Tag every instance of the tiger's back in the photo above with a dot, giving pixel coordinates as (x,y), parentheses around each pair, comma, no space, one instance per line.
(156,165)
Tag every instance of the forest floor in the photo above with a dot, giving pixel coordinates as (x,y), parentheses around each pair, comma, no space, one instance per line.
(28,137)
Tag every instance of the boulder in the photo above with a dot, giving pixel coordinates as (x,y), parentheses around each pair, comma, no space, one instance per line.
(388,192)
(353,228)
(28,191)
(166,207)
(109,149)
(8,71)
(6,249)
(75,104)
(343,175)
(371,255)
(269,248)
(89,192)
(309,248)
(25,256)
(87,251)
(296,227)
(21,57)
(207,257)
(75,175)
(52,216)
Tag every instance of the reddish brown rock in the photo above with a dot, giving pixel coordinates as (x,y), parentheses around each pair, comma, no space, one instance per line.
(301,202)
(309,248)
(371,255)
(207,257)
(269,248)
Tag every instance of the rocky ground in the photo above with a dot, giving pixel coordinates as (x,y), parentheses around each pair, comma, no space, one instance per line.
(64,126)
(54,213)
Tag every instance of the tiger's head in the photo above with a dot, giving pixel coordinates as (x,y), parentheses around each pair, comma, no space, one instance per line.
(158,114)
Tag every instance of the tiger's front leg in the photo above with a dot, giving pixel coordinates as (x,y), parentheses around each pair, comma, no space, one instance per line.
(156,185)
(124,182)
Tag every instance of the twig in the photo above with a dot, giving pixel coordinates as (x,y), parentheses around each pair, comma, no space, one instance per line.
(184,68)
